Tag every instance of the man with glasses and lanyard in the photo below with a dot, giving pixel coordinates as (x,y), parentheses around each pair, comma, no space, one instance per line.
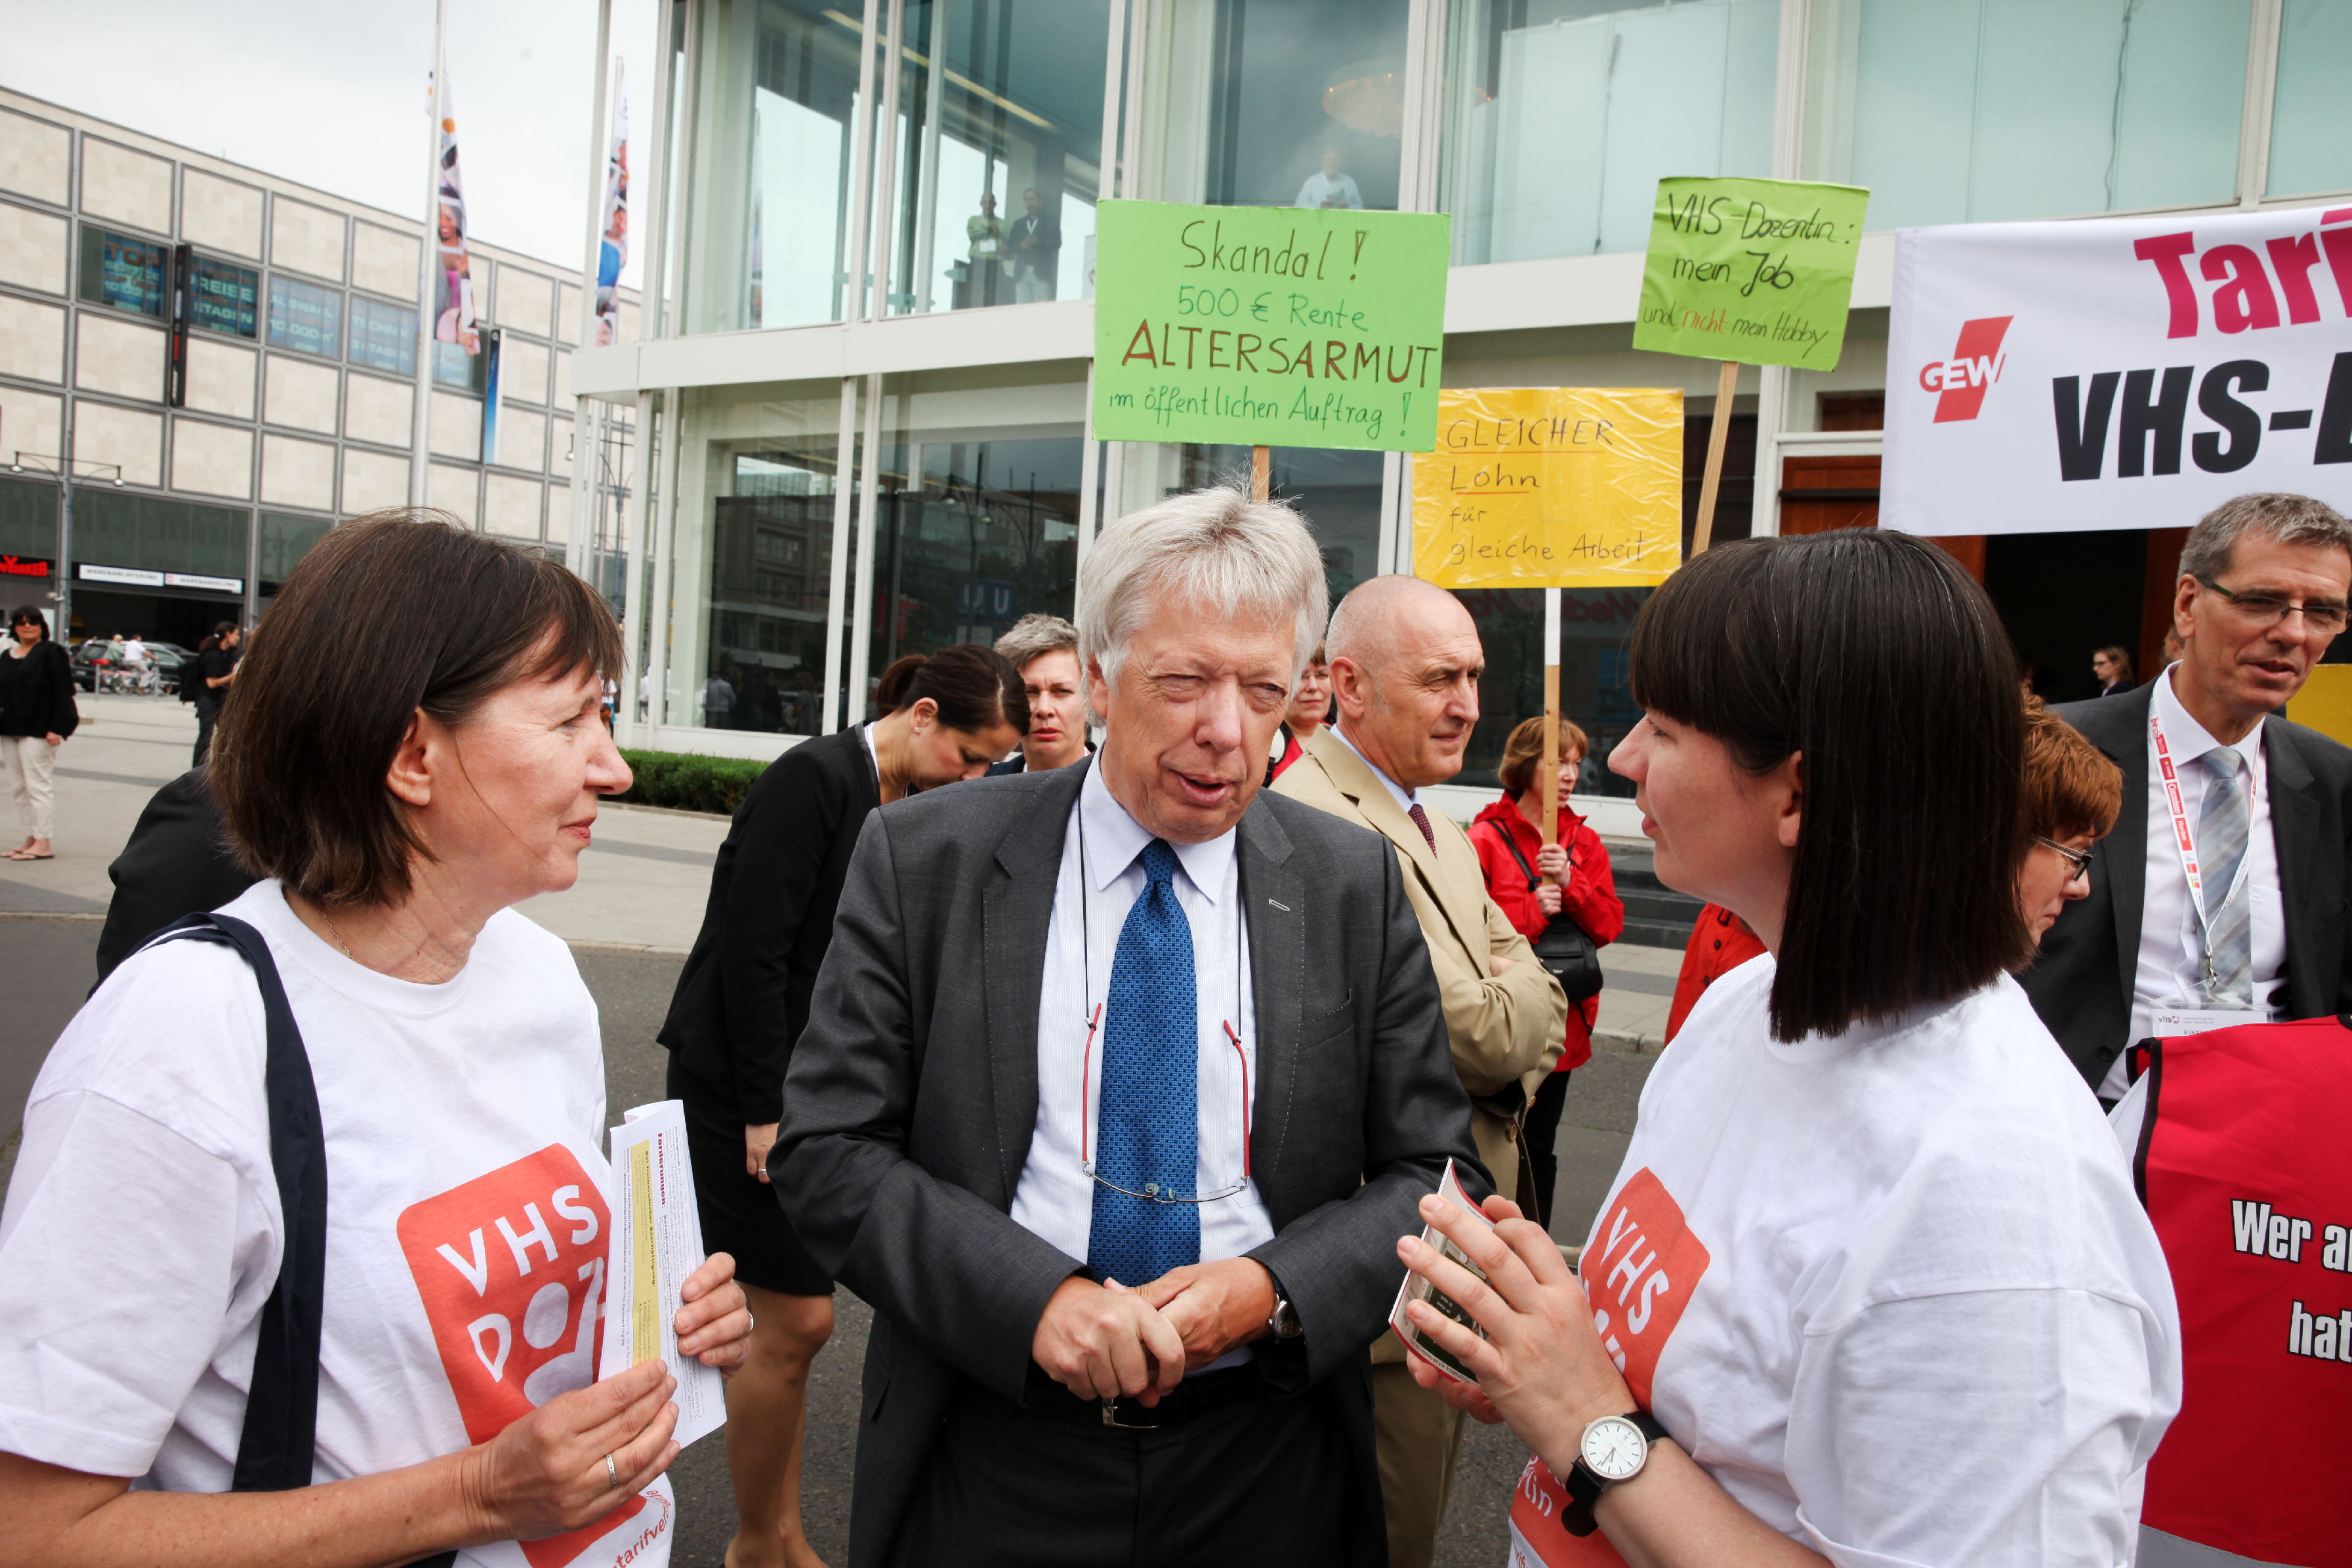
(2220,898)
(1119,1083)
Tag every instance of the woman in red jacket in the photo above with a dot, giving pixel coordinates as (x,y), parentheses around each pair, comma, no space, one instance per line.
(1535,883)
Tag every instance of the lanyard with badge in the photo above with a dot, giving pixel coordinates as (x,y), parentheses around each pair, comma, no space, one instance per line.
(2196,1021)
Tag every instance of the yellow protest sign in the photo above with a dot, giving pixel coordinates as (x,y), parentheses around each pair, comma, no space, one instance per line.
(1551,486)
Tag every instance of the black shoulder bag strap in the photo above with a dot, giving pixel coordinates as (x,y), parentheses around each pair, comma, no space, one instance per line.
(274,1451)
(1510,842)
(1564,949)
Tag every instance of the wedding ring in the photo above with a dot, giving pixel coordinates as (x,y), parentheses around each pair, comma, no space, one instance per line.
(749,1322)
(612,1474)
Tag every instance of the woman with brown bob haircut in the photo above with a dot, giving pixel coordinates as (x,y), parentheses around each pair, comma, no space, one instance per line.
(413,747)
(2072,796)
(1871,1285)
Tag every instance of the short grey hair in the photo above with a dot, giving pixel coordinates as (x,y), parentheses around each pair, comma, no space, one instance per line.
(2289,518)
(1034,636)
(1213,549)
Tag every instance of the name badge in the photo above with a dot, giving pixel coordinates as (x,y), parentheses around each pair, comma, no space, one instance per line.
(2168,1026)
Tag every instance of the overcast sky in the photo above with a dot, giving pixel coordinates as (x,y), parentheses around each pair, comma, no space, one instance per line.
(331,93)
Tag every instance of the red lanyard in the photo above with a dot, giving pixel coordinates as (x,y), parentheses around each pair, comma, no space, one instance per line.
(2185,840)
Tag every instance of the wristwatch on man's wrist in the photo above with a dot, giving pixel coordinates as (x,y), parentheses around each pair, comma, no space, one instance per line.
(1283,1322)
(1612,1452)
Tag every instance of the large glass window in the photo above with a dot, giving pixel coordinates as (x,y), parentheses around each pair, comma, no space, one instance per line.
(383,337)
(224,297)
(1562,115)
(305,317)
(754,562)
(281,541)
(122,528)
(977,523)
(1296,104)
(123,270)
(2311,117)
(769,183)
(1595,689)
(1977,111)
(999,146)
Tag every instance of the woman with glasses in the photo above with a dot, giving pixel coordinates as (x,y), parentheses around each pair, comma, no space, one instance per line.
(36,715)
(1871,1285)
(2072,795)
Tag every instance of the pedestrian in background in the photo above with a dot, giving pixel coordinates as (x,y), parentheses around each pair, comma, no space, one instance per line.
(2112,667)
(1044,649)
(37,716)
(336,1381)
(217,658)
(1310,710)
(741,1002)
(1532,882)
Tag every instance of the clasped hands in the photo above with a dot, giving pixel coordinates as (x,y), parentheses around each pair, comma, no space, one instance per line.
(1103,1342)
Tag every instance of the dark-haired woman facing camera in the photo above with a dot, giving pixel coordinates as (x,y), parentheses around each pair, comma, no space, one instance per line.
(742,1001)
(1872,1286)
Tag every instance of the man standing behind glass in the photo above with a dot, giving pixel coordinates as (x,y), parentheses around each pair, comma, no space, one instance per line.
(2267,805)
(984,231)
(1405,663)
(1119,1083)
(1036,246)
(1327,187)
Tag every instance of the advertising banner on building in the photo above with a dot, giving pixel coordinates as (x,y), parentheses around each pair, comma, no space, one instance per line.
(453,280)
(613,254)
(2127,373)
(1551,486)
(1269,326)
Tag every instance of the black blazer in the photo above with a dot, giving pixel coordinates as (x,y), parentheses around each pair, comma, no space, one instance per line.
(36,691)
(743,996)
(178,862)
(2081,983)
(912,1098)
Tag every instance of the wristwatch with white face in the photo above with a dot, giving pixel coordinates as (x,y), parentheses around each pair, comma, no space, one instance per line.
(1613,1452)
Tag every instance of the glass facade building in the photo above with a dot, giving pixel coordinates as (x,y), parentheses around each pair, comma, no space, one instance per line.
(863,359)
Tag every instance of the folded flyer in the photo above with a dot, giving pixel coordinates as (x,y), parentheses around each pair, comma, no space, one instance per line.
(1416,1289)
(657,1243)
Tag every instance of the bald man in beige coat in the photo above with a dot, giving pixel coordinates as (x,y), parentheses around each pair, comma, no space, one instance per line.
(1405,662)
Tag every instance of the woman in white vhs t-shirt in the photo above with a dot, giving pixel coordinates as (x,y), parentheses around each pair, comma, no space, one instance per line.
(397,803)
(1872,1286)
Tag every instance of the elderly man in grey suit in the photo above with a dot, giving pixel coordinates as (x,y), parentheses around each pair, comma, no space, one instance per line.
(1120,1082)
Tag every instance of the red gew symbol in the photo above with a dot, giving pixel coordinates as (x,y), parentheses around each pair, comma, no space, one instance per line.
(1974,366)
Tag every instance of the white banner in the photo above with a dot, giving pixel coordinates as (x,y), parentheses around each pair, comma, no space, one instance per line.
(2121,373)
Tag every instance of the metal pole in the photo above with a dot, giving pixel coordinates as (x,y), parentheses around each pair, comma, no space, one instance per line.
(65,551)
(632,532)
(927,189)
(428,251)
(850,304)
(886,224)
(844,485)
(579,549)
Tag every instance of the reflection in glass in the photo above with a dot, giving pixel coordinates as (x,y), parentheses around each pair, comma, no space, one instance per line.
(1562,115)
(751,655)
(383,337)
(123,271)
(1979,111)
(2311,118)
(999,143)
(768,181)
(224,297)
(1595,624)
(976,529)
(305,317)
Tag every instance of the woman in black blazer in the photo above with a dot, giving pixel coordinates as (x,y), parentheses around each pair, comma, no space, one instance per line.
(36,715)
(744,999)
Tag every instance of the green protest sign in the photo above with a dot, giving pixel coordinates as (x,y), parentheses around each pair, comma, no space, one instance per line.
(1268,326)
(1756,271)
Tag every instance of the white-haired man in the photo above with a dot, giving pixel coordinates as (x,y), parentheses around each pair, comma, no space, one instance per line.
(1120,1082)
(1405,663)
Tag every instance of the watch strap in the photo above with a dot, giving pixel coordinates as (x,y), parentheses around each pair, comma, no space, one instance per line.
(1584,1486)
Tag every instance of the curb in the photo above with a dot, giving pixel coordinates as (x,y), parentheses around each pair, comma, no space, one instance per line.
(1634,1042)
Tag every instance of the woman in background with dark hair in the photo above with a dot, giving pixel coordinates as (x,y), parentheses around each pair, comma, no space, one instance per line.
(215,668)
(743,1000)
(1871,1285)
(37,716)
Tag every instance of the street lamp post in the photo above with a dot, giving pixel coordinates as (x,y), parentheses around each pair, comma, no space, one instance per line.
(67,470)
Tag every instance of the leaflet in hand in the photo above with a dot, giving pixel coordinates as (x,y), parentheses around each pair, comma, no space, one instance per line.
(657,1243)
(1416,1289)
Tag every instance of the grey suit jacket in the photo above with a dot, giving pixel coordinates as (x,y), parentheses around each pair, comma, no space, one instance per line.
(912,1096)
(2081,983)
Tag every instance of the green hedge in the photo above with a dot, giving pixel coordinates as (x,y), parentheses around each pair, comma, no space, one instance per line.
(684,782)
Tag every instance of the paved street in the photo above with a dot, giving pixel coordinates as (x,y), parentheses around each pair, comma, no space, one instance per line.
(630,919)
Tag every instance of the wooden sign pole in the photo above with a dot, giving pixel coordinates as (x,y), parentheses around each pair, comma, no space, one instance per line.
(1718,430)
(1551,827)
(1261,471)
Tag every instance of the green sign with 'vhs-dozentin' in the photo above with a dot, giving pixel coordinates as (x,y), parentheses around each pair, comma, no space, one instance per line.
(1268,326)
(1759,271)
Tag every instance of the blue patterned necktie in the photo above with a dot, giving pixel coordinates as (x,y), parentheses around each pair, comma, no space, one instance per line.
(2222,831)
(1149,1101)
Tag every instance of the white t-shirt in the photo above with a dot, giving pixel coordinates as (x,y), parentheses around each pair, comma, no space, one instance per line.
(1893,1290)
(465,1220)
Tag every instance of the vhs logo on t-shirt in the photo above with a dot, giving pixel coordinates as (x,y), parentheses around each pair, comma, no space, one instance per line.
(510,1267)
(1639,1268)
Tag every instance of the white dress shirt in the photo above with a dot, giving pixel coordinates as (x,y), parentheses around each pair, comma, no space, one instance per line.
(2172,945)
(1054,1199)
(1319,188)
(1397,792)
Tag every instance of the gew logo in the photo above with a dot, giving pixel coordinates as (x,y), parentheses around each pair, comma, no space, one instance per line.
(1976,363)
